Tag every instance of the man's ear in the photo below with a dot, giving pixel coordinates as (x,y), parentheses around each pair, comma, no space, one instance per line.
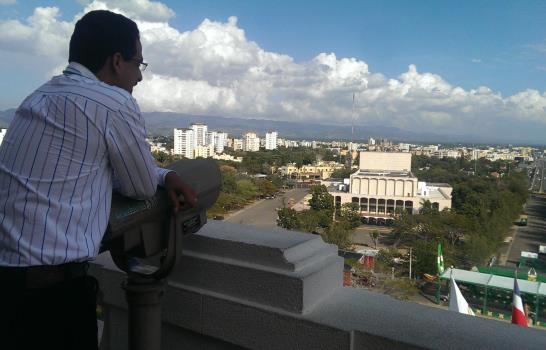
(116,62)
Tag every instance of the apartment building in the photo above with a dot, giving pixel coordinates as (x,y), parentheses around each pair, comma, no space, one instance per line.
(199,134)
(184,142)
(271,140)
(251,142)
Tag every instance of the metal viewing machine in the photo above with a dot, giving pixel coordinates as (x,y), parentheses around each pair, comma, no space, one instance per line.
(145,238)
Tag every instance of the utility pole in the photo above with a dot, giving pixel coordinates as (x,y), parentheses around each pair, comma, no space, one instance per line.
(410,262)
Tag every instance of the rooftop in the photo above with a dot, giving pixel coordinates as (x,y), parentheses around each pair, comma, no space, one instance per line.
(385,173)
(435,194)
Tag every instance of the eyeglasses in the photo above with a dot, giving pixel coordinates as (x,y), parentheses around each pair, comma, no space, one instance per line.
(141,65)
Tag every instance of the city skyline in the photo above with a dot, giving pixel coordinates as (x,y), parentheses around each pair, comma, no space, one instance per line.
(466,68)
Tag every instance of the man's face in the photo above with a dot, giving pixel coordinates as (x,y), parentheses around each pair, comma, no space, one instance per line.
(129,74)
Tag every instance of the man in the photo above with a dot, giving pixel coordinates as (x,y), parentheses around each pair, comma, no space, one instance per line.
(68,141)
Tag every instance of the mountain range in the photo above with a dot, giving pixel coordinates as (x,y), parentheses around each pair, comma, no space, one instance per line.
(163,123)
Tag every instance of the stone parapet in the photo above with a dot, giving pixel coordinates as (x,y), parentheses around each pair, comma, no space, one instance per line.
(242,287)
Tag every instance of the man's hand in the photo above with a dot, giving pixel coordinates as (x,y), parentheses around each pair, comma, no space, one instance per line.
(175,187)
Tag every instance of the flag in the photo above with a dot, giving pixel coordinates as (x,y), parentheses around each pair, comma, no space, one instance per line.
(518,315)
(457,302)
(440,260)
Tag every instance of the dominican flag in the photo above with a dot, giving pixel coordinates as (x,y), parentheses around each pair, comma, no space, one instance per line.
(440,260)
(518,315)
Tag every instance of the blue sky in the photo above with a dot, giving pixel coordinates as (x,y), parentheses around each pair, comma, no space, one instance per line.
(495,49)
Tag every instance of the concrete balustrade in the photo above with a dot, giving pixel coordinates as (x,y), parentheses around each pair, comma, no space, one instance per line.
(242,287)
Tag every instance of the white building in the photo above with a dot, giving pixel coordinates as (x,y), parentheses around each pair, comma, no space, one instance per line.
(446,153)
(384,183)
(203,151)
(211,138)
(237,144)
(251,142)
(157,147)
(403,147)
(271,140)
(184,142)
(220,141)
(199,134)
(227,157)
(2,134)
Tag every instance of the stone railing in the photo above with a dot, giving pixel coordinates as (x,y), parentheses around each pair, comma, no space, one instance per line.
(242,287)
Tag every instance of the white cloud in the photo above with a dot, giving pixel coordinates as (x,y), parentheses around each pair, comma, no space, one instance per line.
(215,70)
(139,10)
(41,34)
(476,60)
(540,47)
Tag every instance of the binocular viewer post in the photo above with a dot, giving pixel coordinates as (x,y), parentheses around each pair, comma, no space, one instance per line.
(144,238)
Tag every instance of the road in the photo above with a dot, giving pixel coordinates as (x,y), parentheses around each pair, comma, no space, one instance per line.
(263,213)
(538,176)
(361,235)
(528,238)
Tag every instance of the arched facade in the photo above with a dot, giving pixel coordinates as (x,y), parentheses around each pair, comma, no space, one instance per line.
(380,193)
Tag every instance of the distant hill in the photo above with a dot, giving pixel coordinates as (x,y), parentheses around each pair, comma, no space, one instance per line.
(163,123)
(6,117)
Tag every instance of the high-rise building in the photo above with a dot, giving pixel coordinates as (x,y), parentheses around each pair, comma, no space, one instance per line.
(2,134)
(237,144)
(199,134)
(251,142)
(184,142)
(220,142)
(211,138)
(271,140)
(203,151)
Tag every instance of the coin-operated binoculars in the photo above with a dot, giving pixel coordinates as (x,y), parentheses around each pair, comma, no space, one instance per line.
(144,238)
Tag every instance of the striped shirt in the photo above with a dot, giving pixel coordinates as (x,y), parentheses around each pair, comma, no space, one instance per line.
(68,141)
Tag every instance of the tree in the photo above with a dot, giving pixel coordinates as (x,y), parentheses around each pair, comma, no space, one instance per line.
(425,257)
(266,187)
(350,214)
(320,198)
(324,217)
(341,173)
(229,179)
(426,207)
(404,227)
(246,189)
(287,218)
(163,159)
(374,235)
(308,220)
(337,234)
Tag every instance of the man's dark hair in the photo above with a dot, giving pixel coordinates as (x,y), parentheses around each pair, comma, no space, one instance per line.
(100,34)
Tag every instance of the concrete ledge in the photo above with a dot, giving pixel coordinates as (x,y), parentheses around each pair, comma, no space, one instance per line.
(239,287)
(283,269)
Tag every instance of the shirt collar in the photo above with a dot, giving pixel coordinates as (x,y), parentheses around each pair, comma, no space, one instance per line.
(79,69)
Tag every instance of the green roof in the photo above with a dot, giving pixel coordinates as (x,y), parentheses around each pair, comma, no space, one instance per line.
(494,281)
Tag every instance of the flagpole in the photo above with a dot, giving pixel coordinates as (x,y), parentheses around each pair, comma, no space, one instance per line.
(438,291)
(440,270)
(410,263)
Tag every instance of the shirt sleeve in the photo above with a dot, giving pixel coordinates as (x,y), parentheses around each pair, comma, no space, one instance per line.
(136,172)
